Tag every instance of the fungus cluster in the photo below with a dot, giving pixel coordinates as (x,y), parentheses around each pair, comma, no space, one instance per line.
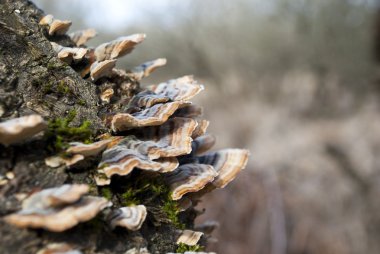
(58,209)
(156,130)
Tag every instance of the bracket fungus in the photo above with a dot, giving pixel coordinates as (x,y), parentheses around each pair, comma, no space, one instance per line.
(145,69)
(118,48)
(228,163)
(189,237)
(154,139)
(137,251)
(101,69)
(129,153)
(59,248)
(155,115)
(18,129)
(58,209)
(82,36)
(189,178)
(69,55)
(203,143)
(180,89)
(56,26)
(147,99)
(88,149)
(131,217)
(200,129)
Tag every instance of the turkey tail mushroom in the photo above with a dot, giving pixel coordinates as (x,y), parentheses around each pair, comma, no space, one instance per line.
(118,48)
(82,36)
(55,26)
(156,131)
(18,129)
(130,217)
(58,209)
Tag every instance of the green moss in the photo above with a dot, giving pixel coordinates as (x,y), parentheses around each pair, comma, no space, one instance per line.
(184,247)
(170,207)
(47,88)
(60,133)
(82,102)
(63,88)
(142,189)
(129,198)
(53,66)
(106,192)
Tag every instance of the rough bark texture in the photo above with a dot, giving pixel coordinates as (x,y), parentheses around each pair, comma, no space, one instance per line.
(30,75)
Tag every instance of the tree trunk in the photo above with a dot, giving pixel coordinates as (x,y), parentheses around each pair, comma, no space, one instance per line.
(31,79)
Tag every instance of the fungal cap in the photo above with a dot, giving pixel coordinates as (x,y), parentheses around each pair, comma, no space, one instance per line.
(82,36)
(118,48)
(106,95)
(46,20)
(101,69)
(190,111)
(57,160)
(189,237)
(180,89)
(53,197)
(155,115)
(147,99)
(88,149)
(59,27)
(68,54)
(145,69)
(137,251)
(203,143)
(228,163)
(58,248)
(171,139)
(130,217)
(189,178)
(121,160)
(18,129)
(200,129)
(61,218)
(101,179)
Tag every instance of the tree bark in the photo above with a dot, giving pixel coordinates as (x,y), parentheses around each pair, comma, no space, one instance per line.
(28,67)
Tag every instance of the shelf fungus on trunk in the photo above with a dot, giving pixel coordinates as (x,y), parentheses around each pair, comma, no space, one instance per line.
(189,237)
(153,116)
(58,209)
(228,163)
(155,148)
(82,36)
(189,178)
(203,143)
(180,89)
(21,128)
(101,69)
(132,153)
(56,26)
(69,55)
(118,48)
(200,129)
(130,217)
(59,248)
(156,132)
(145,69)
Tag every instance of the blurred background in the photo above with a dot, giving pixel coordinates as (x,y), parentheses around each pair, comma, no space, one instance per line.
(294,81)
